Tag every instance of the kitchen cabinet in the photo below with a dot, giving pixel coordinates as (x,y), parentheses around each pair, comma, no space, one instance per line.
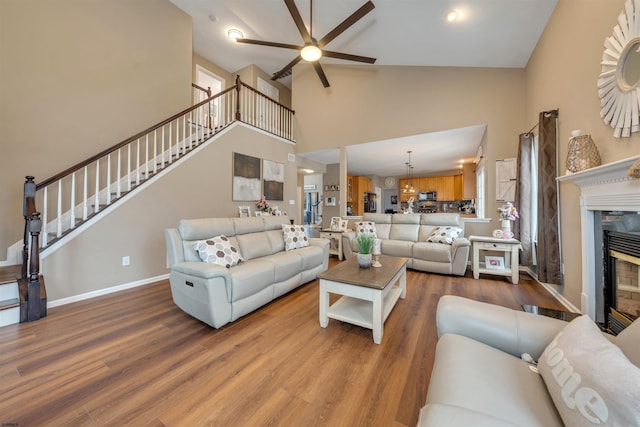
(349,188)
(458,187)
(358,186)
(448,187)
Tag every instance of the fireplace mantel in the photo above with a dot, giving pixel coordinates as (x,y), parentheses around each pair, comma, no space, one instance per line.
(603,188)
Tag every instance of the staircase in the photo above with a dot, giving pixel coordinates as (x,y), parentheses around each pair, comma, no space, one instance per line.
(9,295)
(71,200)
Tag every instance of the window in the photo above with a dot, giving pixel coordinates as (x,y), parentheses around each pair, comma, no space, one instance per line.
(480,188)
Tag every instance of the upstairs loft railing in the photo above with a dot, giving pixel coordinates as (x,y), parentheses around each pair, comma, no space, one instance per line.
(77,194)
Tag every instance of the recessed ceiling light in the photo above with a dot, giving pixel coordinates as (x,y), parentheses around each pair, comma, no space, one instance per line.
(234,34)
(452,15)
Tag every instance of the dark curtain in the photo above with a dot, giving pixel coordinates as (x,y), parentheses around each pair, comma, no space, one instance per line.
(522,227)
(548,251)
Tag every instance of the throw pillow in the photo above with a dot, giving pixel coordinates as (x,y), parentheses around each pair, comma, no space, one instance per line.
(366,227)
(589,378)
(294,237)
(218,250)
(444,235)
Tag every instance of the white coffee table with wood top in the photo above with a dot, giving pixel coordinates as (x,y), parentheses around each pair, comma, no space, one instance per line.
(368,294)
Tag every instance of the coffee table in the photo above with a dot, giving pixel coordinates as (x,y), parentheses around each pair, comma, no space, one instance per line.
(368,294)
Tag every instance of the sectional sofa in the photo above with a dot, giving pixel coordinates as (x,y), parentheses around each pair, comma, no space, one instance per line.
(412,236)
(220,291)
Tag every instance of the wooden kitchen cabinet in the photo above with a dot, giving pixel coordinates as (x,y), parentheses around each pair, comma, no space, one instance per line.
(349,188)
(448,187)
(359,185)
(458,187)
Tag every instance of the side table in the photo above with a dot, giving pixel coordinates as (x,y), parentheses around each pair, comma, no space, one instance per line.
(335,237)
(509,247)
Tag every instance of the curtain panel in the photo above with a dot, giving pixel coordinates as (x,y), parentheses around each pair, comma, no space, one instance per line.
(548,250)
(524,226)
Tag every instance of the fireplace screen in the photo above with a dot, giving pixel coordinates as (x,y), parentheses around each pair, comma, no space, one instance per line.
(622,289)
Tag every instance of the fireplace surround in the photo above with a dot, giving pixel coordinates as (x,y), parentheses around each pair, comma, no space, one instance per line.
(603,188)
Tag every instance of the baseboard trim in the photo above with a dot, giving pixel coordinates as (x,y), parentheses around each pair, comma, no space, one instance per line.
(106,291)
(561,299)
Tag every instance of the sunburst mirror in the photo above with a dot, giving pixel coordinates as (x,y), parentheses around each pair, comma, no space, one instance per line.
(619,81)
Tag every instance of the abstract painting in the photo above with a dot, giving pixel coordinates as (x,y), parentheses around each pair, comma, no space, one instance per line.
(246,177)
(273,180)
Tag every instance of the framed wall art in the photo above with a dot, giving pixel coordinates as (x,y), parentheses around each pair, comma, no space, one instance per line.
(273,180)
(246,177)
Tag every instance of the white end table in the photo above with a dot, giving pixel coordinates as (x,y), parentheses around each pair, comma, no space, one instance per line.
(335,237)
(509,247)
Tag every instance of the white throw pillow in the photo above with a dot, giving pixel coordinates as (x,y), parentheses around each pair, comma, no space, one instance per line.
(294,237)
(366,227)
(444,235)
(218,250)
(589,379)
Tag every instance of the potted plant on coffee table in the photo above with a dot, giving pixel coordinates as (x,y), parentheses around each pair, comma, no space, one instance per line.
(365,243)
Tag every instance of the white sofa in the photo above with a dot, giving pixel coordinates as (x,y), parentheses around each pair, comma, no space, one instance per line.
(405,235)
(479,378)
(217,295)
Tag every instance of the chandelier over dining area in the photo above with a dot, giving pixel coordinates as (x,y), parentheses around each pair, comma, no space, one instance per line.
(408,187)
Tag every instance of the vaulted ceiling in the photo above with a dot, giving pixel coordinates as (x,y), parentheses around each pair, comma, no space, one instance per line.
(489,33)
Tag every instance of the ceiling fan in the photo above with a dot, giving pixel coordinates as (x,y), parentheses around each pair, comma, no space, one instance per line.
(313,50)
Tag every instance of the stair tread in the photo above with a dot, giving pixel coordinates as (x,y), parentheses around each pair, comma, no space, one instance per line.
(9,303)
(9,273)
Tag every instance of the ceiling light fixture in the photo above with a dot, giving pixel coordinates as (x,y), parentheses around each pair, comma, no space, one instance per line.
(408,187)
(310,53)
(452,15)
(234,34)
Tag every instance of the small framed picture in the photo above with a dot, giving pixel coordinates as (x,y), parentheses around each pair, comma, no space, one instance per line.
(494,262)
(244,211)
(343,224)
(335,223)
(330,201)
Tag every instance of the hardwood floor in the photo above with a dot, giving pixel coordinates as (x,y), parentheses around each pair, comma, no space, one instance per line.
(134,358)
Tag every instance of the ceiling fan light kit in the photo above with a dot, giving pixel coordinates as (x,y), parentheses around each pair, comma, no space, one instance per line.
(313,50)
(311,53)
(234,34)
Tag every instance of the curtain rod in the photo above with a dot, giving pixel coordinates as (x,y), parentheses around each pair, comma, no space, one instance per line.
(532,128)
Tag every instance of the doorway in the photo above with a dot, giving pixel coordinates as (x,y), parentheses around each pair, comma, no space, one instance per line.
(206,79)
(268,116)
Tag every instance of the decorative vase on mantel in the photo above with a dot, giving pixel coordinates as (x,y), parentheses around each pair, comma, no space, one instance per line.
(364,260)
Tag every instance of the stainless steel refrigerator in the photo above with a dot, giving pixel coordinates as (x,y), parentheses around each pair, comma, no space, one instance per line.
(370,202)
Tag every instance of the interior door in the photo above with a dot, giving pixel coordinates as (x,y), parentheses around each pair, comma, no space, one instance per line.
(211,116)
(268,114)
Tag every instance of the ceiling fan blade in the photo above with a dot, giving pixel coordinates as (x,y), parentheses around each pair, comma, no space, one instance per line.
(348,56)
(320,72)
(355,17)
(295,14)
(286,68)
(272,44)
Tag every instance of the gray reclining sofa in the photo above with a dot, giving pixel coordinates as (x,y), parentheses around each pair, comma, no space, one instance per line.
(217,295)
(479,378)
(405,235)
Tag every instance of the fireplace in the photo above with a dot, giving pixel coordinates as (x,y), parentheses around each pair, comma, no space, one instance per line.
(605,191)
(621,291)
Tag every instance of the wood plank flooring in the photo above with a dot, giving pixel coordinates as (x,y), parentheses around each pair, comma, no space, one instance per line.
(134,358)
